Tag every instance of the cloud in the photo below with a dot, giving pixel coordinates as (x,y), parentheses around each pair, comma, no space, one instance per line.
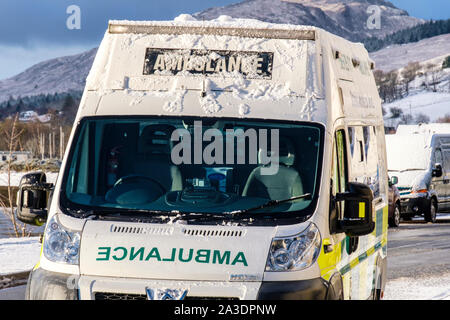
(32,31)
(28,21)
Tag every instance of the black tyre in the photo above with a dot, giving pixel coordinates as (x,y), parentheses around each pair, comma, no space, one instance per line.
(395,220)
(430,214)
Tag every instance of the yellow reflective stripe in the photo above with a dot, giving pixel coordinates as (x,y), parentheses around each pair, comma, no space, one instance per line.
(370,251)
(354,263)
(39,262)
(362,257)
(362,210)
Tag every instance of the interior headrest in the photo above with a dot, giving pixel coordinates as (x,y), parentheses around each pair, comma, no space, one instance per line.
(155,139)
(286,152)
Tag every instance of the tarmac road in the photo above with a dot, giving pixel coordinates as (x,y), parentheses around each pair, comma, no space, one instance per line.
(418,249)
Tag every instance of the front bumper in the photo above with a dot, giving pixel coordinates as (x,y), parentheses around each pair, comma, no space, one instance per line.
(46,285)
(414,206)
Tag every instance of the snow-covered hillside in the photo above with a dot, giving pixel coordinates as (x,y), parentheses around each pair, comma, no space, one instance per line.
(346,18)
(397,56)
(60,75)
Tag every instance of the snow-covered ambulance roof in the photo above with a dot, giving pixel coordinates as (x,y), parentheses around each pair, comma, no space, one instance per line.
(241,67)
(224,25)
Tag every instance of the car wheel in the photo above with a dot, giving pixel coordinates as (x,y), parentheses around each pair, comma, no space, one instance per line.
(430,215)
(395,220)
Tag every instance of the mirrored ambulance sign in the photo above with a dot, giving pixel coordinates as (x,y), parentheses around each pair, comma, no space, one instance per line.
(224,63)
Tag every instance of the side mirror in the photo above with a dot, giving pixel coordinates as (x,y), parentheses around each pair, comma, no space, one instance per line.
(393,180)
(357,220)
(437,171)
(32,198)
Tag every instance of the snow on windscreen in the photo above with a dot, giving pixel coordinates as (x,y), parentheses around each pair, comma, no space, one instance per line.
(405,152)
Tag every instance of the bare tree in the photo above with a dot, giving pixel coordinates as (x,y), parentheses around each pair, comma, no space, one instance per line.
(444,119)
(432,71)
(396,112)
(409,73)
(387,85)
(11,135)
(422,118)
(406,118)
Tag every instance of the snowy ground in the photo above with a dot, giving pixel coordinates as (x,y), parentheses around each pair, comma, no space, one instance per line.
(18,254)
(16,176)
(429,288)
(432,104)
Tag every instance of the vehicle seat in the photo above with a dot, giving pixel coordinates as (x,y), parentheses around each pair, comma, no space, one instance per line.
(286,183)
(153,157)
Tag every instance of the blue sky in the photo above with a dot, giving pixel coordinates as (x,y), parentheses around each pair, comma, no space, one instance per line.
(35,30)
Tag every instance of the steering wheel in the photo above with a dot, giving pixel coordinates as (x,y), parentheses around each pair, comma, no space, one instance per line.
(135,189)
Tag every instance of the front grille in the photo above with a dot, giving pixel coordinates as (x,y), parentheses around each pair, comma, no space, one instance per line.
(213,232)
(128,296)
(119,296)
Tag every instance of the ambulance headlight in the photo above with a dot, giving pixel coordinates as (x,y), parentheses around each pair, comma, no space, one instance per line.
(296,252)
(61,245)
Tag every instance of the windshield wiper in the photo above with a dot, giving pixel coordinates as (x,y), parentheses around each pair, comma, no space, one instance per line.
(270,203)
(118,211)
(201,215)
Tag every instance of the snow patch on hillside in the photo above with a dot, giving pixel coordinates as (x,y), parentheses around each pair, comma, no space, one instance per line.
(433,104)
(398,56)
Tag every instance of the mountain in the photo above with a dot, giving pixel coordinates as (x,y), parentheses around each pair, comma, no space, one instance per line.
(344,17)
(60,75)
(347,18)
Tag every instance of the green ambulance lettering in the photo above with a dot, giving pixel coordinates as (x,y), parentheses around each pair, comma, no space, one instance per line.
(172,257)
(104,251)
(201,255)
(180,255)
(217,258)
(139,252)
(124,253)
(240,257)
(154,253)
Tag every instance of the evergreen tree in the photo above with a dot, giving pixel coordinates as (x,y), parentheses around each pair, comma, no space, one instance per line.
(446,63)
(419,32)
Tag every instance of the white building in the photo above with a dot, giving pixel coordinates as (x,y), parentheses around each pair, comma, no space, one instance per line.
(15,155)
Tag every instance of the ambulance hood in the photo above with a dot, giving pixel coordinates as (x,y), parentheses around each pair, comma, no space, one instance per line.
(174,251)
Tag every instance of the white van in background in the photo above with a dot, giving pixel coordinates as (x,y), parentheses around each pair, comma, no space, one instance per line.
(419,156)
(226,159)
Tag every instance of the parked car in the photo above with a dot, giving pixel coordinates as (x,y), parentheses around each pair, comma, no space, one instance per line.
(394,203)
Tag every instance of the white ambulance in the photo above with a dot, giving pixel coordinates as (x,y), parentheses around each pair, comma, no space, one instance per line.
(225,159)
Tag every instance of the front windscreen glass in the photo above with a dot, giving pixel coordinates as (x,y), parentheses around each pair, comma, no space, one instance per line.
(187,165)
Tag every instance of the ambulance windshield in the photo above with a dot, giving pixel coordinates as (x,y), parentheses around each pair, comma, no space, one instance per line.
(195,165)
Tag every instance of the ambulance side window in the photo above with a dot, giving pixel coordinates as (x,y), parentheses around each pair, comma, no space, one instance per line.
(438,156)
(341,161)
(339,176)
